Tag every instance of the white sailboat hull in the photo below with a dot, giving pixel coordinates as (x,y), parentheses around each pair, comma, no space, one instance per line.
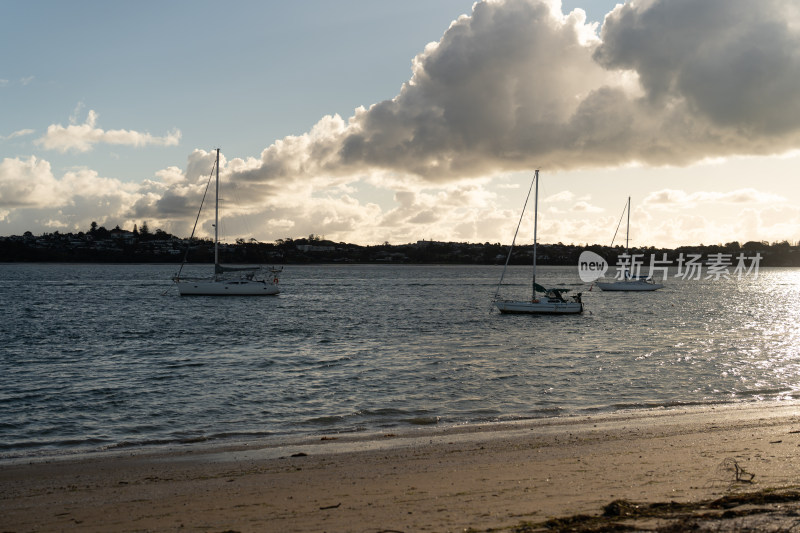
(207,287)
(539,307)
(635,285)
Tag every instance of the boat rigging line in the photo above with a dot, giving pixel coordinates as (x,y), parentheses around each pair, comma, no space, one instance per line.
(205,193)
(514,240)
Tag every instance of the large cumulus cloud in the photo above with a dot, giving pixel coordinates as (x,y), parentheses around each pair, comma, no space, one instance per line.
(518,84)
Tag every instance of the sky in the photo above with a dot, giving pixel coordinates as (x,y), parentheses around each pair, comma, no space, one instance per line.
(401,120)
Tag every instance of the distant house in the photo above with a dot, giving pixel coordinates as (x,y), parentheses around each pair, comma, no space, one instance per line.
(122,234)
(423,242)
(313,248)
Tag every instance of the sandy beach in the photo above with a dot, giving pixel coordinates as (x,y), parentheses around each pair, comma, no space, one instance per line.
(431,479)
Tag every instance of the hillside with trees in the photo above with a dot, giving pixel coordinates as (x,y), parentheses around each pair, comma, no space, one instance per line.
(141,245)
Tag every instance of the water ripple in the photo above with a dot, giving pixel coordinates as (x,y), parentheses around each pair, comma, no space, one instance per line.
(99,356)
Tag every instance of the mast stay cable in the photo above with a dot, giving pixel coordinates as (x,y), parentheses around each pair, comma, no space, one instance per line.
(497,292)
(208,184)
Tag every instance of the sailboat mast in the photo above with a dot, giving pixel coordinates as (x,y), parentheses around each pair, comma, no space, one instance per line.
(216,219)
(535,222)
(627,232)
(628,228)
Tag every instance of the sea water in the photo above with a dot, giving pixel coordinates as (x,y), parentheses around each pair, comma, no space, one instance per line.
(97,357)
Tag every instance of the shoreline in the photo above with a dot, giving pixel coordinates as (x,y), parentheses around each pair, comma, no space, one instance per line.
(265,446)
(422,479)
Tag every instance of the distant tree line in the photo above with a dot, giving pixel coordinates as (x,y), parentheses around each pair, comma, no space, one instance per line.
(141,244)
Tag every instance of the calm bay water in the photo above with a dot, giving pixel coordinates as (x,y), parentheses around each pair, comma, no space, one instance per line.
(107,356)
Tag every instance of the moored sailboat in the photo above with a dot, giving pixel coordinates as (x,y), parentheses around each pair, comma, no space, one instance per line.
(552,301)
(226,281)
(627,281)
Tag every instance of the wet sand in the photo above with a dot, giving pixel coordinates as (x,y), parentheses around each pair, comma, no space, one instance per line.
(430,479)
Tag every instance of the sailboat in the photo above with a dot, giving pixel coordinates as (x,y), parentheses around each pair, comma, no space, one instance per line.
(226,281)
(628,281)
(552,301)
